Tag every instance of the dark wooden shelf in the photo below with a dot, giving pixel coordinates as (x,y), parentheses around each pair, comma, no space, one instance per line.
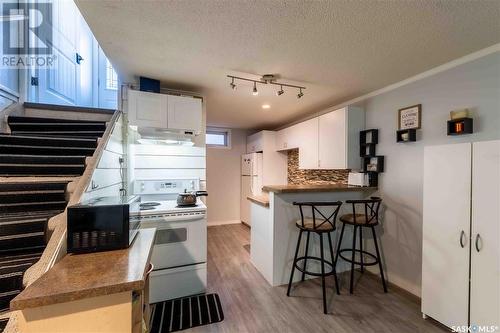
(367,149)
(412,135)
(466,125)
(369,136)
(373,164)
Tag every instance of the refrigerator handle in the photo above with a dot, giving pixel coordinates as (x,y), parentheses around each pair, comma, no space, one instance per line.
(252,160)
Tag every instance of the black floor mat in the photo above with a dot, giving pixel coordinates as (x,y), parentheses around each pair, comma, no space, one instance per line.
(183,313)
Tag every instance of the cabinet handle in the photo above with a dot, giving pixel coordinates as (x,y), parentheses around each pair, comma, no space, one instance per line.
(478,238)
(462,234)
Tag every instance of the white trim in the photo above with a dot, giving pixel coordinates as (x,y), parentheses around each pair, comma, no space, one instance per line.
(215,223)
(441,68)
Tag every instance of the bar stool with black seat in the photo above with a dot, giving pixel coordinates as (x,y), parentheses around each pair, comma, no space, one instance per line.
(318,224)
(368,218)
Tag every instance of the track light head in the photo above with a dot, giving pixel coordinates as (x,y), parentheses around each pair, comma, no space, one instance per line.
(280,92)
(254,91)
(300,94)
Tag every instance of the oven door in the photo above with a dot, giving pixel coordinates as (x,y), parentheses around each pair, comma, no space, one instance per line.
(178,243)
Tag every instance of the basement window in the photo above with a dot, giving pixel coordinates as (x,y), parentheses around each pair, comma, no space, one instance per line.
(218,138)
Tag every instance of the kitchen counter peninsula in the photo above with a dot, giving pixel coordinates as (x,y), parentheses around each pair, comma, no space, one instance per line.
(274,234)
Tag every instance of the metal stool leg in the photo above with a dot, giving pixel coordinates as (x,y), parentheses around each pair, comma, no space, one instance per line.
(333,263)
(379,260)
(361,248)
(338,245)
(322,271)
(305,260)
(353,258)
(294,263)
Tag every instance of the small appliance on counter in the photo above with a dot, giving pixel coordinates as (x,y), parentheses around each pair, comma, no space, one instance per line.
(357,179)
(102,224)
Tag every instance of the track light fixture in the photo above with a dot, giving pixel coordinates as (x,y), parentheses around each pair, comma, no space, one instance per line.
(280,92)
(300,94)
(232,85)
(266,79)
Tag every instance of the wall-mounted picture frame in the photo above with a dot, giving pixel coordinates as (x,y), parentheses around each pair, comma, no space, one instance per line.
(410,117)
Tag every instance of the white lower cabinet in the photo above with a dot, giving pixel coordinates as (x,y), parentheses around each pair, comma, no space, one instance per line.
(461,234)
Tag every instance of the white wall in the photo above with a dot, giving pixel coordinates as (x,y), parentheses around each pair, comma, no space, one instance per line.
(108,177)
(474,85)
(223,180)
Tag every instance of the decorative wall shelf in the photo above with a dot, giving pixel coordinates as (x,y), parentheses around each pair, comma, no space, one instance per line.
(460,126)
(406,135)
(369,136)
(367,149)
(373,164)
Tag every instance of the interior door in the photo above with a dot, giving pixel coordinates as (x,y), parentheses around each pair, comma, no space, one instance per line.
(58,85)
(485,260)
(332,140)
(446,225)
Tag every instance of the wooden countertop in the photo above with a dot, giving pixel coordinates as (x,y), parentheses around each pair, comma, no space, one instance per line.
(89,275)
(315,188)
(262,200)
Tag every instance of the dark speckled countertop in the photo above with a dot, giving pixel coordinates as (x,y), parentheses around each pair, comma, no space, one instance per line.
(315,188)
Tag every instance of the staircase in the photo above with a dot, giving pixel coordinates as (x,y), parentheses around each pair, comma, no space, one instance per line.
(37,161)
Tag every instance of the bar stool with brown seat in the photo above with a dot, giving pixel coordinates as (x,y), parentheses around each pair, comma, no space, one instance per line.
(318,224)
(359,220)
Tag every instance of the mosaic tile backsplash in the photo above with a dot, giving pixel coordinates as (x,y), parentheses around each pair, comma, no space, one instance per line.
(298,177)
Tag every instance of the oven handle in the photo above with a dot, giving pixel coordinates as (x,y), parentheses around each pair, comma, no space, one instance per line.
(173,220)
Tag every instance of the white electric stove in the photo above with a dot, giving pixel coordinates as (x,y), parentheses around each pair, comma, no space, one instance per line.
(180,250)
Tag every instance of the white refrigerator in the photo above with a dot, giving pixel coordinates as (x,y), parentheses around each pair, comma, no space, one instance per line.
(251,182)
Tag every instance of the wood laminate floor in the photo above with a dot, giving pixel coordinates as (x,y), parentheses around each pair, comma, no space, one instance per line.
(250,304)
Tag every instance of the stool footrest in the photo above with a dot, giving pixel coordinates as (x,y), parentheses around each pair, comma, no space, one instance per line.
(331,272)
(370,263)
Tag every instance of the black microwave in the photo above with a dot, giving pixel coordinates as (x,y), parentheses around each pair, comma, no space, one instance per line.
(102,224)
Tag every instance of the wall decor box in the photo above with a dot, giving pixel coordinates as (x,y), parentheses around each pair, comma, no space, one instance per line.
(410,117)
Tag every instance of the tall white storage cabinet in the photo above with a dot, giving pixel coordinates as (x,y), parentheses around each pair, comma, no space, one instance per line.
(461,234)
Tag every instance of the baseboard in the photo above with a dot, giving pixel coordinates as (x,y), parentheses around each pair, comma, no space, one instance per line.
(212,223)
(393,286)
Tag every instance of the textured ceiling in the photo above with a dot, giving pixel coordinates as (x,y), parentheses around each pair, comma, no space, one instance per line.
(338,49)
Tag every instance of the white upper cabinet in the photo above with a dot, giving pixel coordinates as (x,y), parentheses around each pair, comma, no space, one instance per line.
(330,141)
(184,113)
(147,109)
(255,142)
(307,133)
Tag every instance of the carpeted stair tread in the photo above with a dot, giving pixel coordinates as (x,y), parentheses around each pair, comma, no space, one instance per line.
(46,150)
(23,119)
(41,159)
(44,182)
(33,140)
(58,170)
(78,134)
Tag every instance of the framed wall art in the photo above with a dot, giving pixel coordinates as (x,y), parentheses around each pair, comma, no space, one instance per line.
(410,117)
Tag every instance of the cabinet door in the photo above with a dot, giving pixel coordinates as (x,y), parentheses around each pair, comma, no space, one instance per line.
(332,140)
(485,240)
(281,140)
(147,109)
(446,239)
(254,142)
(184,113)
(307,133)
